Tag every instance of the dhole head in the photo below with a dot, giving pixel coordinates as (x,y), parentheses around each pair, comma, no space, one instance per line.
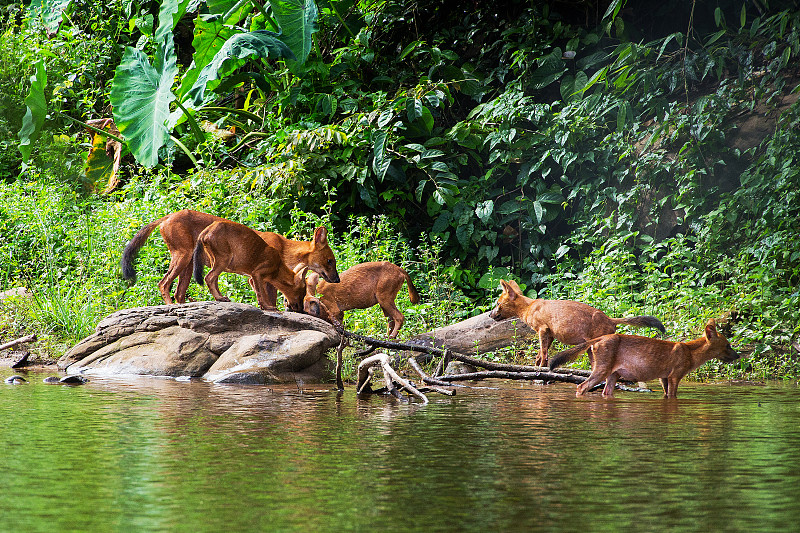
(507,305)
(321,259)
(718,344)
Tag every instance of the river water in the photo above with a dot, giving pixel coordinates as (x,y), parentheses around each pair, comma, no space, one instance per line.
(149,454)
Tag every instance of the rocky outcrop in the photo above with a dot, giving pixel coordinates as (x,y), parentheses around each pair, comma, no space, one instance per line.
(219,341)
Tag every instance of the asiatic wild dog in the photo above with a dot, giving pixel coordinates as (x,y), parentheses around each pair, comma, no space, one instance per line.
(233,247)
(180,231)
(360,287)
(567,321)
(638,358)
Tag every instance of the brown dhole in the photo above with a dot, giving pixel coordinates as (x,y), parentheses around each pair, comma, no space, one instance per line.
(567,321)
(233,247)
(638,358)
(360,287)
(180,231)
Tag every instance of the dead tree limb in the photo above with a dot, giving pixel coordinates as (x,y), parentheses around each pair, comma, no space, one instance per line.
(431,382)
(389,376)
(11,344)
(503,374)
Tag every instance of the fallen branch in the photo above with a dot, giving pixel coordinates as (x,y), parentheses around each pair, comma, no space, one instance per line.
(29,338)
(389,376)
(431,382)
(503,374)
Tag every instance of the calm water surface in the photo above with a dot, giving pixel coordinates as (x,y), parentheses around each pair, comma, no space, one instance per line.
(147,454)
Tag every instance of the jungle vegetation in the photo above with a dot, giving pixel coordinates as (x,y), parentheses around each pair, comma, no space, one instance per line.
(638,156)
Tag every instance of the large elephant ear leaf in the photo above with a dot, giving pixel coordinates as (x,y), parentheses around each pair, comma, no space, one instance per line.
(210,34)
(141,93)
(140,96)
(233,53)
(34,117)
(51,11)
(298,20)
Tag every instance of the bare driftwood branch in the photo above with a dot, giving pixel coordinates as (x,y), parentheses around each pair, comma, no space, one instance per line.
(503,374)
(431,382)
(11,344)
(389,376)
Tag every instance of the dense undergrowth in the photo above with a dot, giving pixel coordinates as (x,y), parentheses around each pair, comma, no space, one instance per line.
(600,159)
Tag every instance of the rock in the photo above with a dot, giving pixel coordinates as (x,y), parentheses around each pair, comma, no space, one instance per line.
(73,380)
(220,341)
(272,358)
(16,379)
(51,380)
(16,292)
(455,368)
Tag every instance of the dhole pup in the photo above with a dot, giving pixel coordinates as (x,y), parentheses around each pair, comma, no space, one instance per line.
(638,358)
(180,231)
(564,320)
(360,287)
(233,247)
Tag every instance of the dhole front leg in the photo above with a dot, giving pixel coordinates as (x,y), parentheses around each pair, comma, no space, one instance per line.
(591,381)
(259,284)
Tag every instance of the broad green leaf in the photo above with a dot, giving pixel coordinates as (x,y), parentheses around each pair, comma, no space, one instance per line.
(140,96)
(442,222)
(34,117)
(380,161)
(210,34)
(743,16)
(298,20)
(51,11)
(231,11)
(484,210)
(413,109)
(491,279)
(236,49)
(538,210)
(613,9)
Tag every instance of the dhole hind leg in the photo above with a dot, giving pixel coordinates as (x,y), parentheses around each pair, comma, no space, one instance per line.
(211,282)
(179,265)
(611,383)
(184,279)
(394,319)
(545,340)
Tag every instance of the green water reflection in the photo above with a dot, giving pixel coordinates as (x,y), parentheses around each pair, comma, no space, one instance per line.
(146,454)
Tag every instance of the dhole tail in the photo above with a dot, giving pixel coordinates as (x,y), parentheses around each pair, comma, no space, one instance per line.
(413,295)
(132,249)
(644,321)
(199,264)
(565,356)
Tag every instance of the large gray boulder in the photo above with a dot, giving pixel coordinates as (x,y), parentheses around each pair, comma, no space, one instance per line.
(219,341)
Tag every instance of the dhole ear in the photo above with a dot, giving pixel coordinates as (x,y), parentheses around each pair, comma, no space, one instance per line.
(299,267)
(711,329)
(311,283)
(508,289)
(320,237)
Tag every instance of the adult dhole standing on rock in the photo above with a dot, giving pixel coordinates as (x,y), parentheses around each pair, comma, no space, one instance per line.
(360,287)
(180,231)
(638,358)
(566,321)
(233,247)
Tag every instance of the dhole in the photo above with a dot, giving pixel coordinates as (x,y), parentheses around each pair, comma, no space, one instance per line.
(233,247)
(361,287)
(564,320)
(180,231)
(638,358)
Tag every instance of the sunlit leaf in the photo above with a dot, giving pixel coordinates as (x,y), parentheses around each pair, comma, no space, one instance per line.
(298,20)
(34,117)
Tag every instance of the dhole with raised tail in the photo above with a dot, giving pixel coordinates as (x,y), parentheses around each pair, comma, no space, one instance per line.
(567,321)
(180,231)
(232,247)
(360,287)
(636,358)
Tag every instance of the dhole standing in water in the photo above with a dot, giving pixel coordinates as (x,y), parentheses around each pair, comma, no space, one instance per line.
(638,358)
(360,287)
(566,321)
(180,231)
(233,247)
